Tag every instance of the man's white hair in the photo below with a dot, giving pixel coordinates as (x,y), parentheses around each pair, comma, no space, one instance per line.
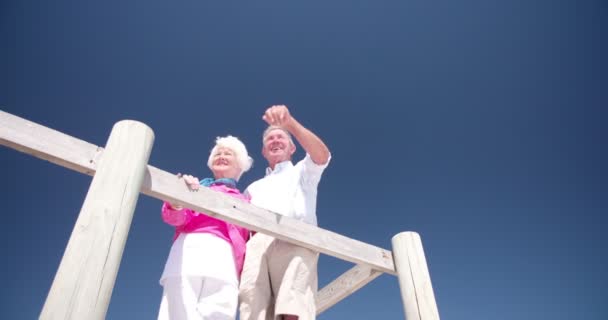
(273,127)
(243,160)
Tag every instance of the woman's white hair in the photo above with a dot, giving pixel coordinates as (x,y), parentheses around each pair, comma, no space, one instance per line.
(243,160)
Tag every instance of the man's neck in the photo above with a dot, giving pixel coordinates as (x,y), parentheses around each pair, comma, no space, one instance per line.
(274,164)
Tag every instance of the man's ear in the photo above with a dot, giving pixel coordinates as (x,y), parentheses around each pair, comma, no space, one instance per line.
(292,149)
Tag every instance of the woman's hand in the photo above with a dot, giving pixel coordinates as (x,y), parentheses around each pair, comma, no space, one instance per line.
(175,207)
(192,182)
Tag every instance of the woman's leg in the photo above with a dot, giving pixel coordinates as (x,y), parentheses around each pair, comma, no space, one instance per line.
(163,313)
(180,298)
(218,300)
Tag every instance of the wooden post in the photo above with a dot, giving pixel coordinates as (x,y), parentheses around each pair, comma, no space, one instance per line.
(85,279)
(414,279)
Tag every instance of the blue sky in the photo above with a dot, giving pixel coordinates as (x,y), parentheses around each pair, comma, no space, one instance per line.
(479,124)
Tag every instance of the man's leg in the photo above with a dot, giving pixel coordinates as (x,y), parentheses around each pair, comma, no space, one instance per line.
(293,273)
(254,292)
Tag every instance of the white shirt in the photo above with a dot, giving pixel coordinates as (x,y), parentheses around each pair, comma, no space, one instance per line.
(289,190)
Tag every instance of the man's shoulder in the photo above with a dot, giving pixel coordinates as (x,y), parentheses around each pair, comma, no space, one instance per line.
(256,183)
(308,163)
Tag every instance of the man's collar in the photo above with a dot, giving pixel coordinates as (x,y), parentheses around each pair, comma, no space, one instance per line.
(279,167)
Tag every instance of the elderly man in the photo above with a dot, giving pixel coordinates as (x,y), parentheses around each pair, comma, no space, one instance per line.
(279,279)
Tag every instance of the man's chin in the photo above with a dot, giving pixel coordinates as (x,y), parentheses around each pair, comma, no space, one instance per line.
(277,159)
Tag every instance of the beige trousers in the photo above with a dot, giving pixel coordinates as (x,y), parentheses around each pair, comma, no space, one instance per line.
(278,278)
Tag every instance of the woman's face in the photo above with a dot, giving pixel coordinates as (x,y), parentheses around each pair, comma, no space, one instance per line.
(224,164)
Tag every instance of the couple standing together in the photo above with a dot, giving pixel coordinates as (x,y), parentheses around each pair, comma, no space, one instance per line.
(208,272)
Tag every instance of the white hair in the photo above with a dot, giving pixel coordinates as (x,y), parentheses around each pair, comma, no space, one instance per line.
(243,160)
(273,127)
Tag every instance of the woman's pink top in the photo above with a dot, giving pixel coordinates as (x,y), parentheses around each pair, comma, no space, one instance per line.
(190,221)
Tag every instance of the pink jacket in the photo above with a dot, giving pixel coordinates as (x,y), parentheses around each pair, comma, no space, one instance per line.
(190,221)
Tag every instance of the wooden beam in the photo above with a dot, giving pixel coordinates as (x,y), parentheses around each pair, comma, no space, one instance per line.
(83,157)
(345,285)
(48,144)
(168,187)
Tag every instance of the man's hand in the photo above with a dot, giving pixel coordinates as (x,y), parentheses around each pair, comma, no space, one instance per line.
(278,115)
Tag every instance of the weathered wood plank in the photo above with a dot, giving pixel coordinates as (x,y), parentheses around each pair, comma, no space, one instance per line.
(84,282)
(166,186)
(414,278)
(345,285)
(48,144)
(82,157)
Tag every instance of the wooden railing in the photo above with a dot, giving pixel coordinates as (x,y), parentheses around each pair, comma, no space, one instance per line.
(85,279)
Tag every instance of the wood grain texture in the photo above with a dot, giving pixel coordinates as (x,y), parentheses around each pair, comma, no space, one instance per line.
(414,278)
(83,157)
(48,144)
(84,282)
(163,185)
(345,285)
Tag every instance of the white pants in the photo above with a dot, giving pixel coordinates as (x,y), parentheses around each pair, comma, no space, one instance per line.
(201,298)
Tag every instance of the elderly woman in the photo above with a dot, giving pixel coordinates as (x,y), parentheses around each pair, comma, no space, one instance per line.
(201,276)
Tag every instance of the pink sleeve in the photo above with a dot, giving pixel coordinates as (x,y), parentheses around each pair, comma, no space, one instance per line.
(174,217)
(245,232)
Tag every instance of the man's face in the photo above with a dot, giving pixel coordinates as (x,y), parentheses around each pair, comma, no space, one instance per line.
(277,147)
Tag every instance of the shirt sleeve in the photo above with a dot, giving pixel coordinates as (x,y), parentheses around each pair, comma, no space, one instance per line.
(246,196)
(247,193)
(311,172)
(174,217)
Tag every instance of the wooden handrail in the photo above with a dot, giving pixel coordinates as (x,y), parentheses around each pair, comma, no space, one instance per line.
(81,156)
(371,261)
